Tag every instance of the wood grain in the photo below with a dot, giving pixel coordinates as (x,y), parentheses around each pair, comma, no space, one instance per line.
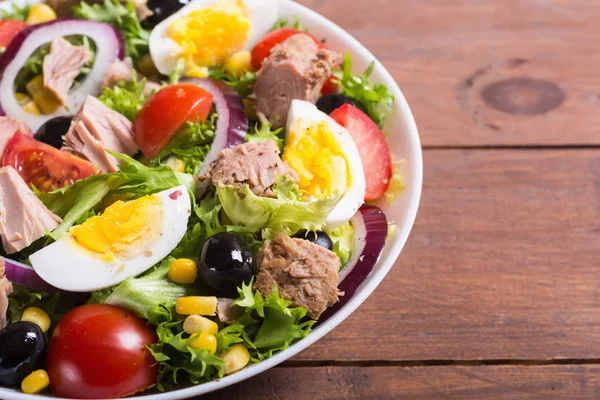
(502,263)
(568,382)
(445,53)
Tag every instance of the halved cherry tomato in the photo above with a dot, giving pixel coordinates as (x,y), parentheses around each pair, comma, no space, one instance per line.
(263,48)
(44,166)
(166,111)
(9,29)
(330,86)
(372,147)
(99,351)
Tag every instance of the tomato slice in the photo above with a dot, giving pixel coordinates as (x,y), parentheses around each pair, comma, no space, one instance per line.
(166,111)
(9,29)
(372,147)
(263,48)
(44,166)
(99,351)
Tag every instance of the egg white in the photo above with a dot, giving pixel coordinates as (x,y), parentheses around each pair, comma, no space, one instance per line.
(69,266)
(165,51)
(303,113)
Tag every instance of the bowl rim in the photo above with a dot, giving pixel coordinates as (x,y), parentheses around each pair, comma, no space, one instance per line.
(414,176)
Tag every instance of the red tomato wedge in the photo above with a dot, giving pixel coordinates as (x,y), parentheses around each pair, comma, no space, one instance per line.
(44,166)
(9,29)
(166,111)
(99,351)
(372,147)
(263,48)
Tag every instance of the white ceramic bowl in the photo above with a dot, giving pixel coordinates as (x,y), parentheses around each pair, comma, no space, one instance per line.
(405,144)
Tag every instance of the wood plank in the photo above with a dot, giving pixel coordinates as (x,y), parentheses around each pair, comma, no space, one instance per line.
(503,263)
(445,53)
(413,383)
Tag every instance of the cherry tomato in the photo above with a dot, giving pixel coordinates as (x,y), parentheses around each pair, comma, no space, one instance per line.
(44,166)
(99,351)
(9,29)
(166,111)
(263,48)
(372,147)
(330,87)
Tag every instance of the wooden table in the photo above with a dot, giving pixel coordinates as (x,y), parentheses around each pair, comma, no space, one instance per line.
(496,295)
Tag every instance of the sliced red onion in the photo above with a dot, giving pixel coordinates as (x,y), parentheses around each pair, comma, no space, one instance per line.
(370,232)
(109,47)
(232,124)
(26,276)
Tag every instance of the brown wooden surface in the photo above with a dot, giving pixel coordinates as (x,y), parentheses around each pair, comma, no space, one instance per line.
(496,294)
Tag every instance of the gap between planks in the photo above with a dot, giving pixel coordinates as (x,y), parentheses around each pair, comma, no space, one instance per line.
(435,363)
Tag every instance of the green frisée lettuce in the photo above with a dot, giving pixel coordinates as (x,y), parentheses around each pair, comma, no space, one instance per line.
(241,83)
(142,294)
(263,133)
(126,98)
(286,213)
(343,239)
(377,98)
(16,13)
(124,18)
(133,179)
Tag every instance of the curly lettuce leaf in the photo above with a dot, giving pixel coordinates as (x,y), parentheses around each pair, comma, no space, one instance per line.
(286,213)
(284,23)
(263,133)
(126,98)
(377,98)
(124,18)
(241,83)
(343,241)
(17,13)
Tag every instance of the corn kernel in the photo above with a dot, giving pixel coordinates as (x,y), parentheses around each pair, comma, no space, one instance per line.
(44,99)
(198,324)
(32,108)
(183,271)
(201,305)
(236,358)
(40,13)
(239,63)
(179,166)
(35,382)
(198,72)
(38,317)
(204,341)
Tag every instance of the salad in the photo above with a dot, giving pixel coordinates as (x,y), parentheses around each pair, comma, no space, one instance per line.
(186,188)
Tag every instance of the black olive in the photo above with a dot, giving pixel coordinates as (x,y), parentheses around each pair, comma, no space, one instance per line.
(163,9)
(53,130)
(318,237)
(225,263)
(330,102)
(22,350)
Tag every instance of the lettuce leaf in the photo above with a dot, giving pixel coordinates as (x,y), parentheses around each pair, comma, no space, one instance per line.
(241,83)
(263,133)
(286,213)
(343,241)
(126,98)
(17,13)
(377,98)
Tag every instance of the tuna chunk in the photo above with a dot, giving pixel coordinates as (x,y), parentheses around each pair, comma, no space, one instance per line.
(254,164)
(23,217)
(305,273)
(5,291)
(97,128)
(8,127)
(62,65)
(121,71)
(296,69)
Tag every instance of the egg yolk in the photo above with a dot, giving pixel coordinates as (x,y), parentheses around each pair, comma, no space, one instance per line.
(315,154)
(124,231)
(209,36)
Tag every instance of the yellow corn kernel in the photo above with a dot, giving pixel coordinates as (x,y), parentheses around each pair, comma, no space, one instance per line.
(183,271)
(198,324)
(35,382)
(40,13)
(27,104)
(201,305)
(44,99)
(22,98)
(239,63)
(179,166)
(38,317)
(198,72)
(204,341)
(236,358)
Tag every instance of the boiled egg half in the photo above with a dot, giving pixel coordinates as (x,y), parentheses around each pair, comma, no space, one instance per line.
(205,33)
(326,159)
(125,240)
